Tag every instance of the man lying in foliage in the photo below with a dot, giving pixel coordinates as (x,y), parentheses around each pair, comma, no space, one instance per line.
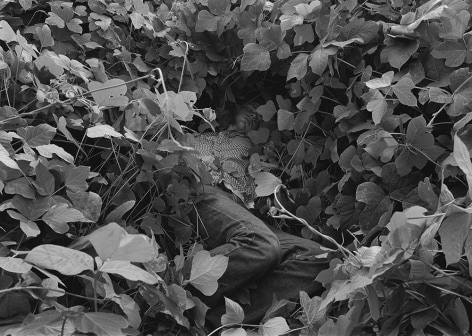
(263,262)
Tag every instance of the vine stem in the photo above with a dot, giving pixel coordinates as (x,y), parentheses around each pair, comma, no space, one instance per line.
(234,324)
(346,253)
(95,301)
(3,291)
(161,80)
(445,104)
(183,65)
(70,100)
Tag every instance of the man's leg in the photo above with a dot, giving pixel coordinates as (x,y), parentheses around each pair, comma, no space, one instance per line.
(231,230)
(296,272)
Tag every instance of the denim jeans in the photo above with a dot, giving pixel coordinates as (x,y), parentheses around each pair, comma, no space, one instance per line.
(276,262)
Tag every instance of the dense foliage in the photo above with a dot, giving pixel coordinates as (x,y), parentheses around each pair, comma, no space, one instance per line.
(365,111)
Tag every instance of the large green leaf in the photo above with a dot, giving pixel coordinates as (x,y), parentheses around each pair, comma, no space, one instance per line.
(276,326)
(453,231)
(110,93)
(6,159)
(128,271)
(14,265)
(206,270)
(59,215)
(256,57)
(101,324)
(113,242)
(62,259)
(37,135)
(234,313)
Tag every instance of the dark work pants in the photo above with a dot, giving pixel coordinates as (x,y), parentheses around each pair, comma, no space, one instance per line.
(277,262)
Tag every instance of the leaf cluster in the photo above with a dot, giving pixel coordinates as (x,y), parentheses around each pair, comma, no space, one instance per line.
(364,115)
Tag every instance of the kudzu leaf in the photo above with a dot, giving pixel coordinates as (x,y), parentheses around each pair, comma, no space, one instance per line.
(382,82)
(461,316)
(383,147)
(178,105)
(29,228)
(109,94)
(311,312)
(285,120)
(421,147)
(377,203)
(267,111)
(462,156)
(266,183)
(376,104)
(274,327)
(342,44)
(402,90)
(46,62)
(359,29)
(117,214)
(130,308)
(453,231)
(206,21)
(438,95)
(43,324)
(461,85)
(427,194)
(59,215)
(128,271)
(21,186)
(7,34)
(62,259)
(288,21)
(45,181)
(273,37)
(74,25)
(259,136)
(306,9)
(298,67)
(453,24)
(206,270)
(88,203)
(303,34)
(102,131)
(52,284)
(398,51)
(311,211)
(37,135)
(297,149)
(55,20)
(32,209)
(14,265)
(6,159)
(48,150)
(319,59)
(105,324)
(113,242)
(369,193)
(178,295)
(234,332)
(468,251)
(218,7)
(44,34)
(453,52)
(75,178)
(234,313)
(26,4)
(328,328)
(255,58)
